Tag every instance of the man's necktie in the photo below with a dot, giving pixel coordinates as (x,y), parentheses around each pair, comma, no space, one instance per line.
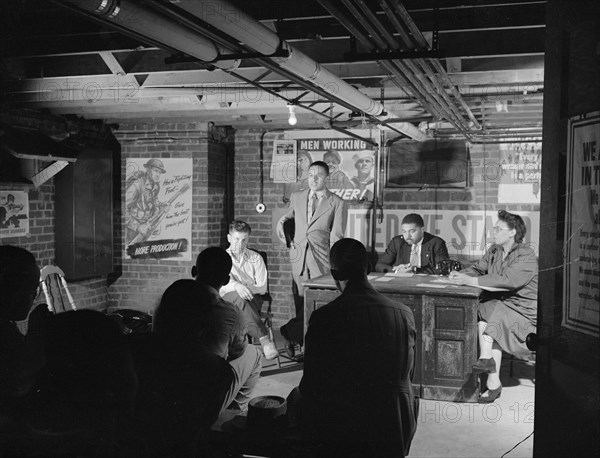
(313,204)
(414,256)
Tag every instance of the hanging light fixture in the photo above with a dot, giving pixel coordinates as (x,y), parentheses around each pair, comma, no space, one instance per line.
(292,120)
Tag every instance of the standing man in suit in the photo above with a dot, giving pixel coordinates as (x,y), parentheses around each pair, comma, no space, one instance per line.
(415,248)
(355,398)
(320,221)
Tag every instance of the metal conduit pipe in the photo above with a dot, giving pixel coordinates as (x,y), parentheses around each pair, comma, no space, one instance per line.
(226,17)
(446,105)
(397,68)
(389,42)
(391,66)
(409,76)
(398,10)
(400,18)
(130,16)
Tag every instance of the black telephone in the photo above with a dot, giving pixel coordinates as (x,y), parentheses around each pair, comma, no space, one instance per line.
(446,266)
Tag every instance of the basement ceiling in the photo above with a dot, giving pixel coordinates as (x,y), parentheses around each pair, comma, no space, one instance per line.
(471,68)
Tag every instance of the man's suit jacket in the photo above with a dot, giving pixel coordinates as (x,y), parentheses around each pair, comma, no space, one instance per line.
(358,366)
(433,250)
(314,237)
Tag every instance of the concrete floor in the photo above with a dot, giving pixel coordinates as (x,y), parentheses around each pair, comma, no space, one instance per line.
(449,429)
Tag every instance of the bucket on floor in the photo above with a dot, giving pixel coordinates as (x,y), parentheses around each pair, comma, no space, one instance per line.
(267,413)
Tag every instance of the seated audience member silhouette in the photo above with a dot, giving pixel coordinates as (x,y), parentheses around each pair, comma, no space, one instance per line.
(19,360)
(504,318)
(247,284)
(84,398)
(182,387)
(355,398)
(224,331)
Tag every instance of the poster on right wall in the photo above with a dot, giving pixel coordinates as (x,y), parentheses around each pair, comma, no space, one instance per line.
(581,251)
(520,173)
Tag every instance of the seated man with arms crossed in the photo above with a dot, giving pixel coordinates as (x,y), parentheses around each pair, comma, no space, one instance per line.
(224,330)
(355,398)
(415,248)
(247,282)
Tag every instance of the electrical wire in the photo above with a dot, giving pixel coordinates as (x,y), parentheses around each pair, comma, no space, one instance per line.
(519,443)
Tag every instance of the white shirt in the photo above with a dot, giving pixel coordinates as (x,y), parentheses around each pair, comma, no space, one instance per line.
(249,270)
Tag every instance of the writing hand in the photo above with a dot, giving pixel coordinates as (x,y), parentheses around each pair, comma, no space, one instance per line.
(401,268)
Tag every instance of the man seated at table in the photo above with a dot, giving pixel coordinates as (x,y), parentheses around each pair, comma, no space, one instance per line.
(224,331)
(414,250)
(247,282)
(355,398)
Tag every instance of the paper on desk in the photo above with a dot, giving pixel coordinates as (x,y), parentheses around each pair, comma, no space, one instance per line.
(431,285)
(399,274)
(384,278)
(487,288)
(371,277)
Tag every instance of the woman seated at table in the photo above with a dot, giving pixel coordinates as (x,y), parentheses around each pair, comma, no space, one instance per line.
(505,317)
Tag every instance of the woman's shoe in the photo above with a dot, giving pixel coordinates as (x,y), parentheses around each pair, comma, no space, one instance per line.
(492,395)
(484,365)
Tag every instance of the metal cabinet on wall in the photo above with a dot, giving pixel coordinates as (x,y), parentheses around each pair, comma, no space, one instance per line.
(84,216)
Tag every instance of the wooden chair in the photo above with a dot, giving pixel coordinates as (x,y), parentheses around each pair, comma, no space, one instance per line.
(267,315)
(55,287)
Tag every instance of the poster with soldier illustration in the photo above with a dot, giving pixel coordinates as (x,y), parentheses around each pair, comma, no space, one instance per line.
(351,162)
(158,209)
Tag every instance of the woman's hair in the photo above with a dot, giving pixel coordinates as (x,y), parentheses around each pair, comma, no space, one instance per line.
(514,222)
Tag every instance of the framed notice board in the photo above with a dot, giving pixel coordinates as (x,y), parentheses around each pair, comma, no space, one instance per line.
(432,163)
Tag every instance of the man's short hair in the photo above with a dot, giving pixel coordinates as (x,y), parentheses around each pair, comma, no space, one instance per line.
(237,225)
(413,218)
(349,258)
(180,313)
(19,276)
(333,154)
(514,222)
(321,164)
(212,264)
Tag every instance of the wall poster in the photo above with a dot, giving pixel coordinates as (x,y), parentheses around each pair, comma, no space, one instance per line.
(283,166)
(158,209)
(14,213)
(520,173)
(581,294)
(467,234)
(351,161)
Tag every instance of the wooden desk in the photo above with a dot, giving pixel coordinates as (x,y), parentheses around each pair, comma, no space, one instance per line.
(446,321)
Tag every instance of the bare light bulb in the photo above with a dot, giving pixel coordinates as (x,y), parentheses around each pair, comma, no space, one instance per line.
(292,120)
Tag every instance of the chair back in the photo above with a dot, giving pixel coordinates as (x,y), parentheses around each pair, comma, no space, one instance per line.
(267,296)
(56,290)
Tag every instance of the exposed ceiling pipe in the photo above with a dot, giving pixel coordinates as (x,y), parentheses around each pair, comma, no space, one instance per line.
(404,77)
(128,15)
(426,84)
(227,18)
(422,43)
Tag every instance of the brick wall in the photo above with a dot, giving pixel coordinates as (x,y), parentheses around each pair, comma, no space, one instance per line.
(481,195)
(142,281)
(92,293)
